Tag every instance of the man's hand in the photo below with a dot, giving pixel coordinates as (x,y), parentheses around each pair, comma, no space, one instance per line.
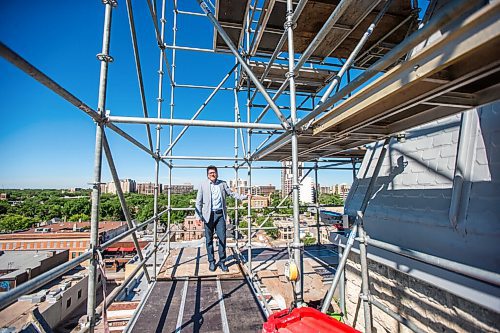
(198,223)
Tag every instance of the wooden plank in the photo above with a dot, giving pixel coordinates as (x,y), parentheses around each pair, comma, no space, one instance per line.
(202,312)
(192,262)
(160,311)
(242,309)
(406,82)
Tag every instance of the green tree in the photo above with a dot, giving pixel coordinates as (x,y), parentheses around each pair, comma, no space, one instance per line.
(4,207)
(331,199)
(309,240)
(76,206)
(12,222)
(79,217)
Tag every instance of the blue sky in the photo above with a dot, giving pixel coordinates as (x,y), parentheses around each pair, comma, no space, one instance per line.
(48,143)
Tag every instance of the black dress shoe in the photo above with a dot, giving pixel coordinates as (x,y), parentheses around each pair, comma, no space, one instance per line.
(223,267)
(212,267)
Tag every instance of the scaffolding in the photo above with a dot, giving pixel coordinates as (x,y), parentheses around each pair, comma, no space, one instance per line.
(367,37)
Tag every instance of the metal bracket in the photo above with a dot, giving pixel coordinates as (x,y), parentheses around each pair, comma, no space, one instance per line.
(364,297)
(113,3)
(299,246)
(104,57)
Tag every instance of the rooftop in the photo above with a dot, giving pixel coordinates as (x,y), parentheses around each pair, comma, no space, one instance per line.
(19,261)
(62,230)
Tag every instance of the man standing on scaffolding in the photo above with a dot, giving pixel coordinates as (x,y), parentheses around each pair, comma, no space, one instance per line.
(211,209)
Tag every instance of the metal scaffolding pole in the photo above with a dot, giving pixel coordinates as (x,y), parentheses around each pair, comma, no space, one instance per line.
(203,158)
(160,37)
(355,52)
(342,284)
(121,197)
(340,268)
(171,128)
(364,296)
(138,69)
(236,151)
(205,103)
(105,58)
(446,14)
(320,36)
(298,10)
(317,189)
(297,246)
(206,123)
(242,62)
(249,163)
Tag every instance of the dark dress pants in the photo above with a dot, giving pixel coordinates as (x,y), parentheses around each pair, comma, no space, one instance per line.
(216,224)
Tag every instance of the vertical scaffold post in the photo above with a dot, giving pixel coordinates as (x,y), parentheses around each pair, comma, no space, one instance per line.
(158,141)
(236,119)
(365,283)
(350,241)
(105,58)
(342,284)
(297,247)
(316,199)
(248,153)
(172,109)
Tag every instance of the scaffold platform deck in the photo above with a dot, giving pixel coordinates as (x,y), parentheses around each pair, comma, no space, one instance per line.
(456,72)
(200,305)
(192,262)
(397,22)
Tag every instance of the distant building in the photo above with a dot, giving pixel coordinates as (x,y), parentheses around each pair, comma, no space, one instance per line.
(127,185)
(191,229)
(17,267)
(147,188)
(3,196)
(243,184)
(259,201)
(176,232)
(72,236)
(75,189)
(287,177)
(326,189)
(342,190)
(179,189)
(307,191)
(285,229)
(264,190)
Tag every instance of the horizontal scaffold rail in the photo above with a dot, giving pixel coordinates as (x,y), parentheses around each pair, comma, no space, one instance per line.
(183,122)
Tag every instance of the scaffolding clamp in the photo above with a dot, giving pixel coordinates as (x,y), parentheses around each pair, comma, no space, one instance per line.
(296,245)
(113,3)
(104,57)
(364,297)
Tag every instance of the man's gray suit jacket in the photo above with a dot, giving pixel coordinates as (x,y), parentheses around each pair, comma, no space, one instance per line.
(204,199)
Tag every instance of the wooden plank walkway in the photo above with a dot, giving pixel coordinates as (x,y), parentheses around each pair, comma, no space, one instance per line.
(187,297)
(200,305)
(192,262)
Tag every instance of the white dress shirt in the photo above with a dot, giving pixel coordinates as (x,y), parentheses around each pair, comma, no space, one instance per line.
(216,196)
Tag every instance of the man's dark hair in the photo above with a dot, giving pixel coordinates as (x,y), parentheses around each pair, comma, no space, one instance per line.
(212,167)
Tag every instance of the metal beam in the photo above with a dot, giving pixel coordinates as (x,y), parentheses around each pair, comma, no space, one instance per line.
(207,123)
(445,15)
(200,109)
(243,63)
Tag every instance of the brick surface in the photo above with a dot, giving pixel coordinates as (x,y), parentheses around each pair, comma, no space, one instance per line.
(412,208)
(431,308)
